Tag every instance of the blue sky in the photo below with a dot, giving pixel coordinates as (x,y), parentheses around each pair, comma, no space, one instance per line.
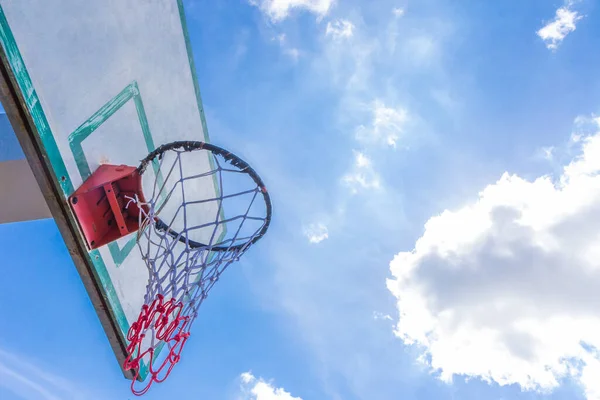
(433,167)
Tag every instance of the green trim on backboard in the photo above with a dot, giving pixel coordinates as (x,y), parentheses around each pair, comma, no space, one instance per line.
(76,139)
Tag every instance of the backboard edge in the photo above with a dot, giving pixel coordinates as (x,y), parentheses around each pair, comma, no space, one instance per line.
(25,130)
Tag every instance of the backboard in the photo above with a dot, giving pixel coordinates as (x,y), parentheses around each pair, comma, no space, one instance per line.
(92,82)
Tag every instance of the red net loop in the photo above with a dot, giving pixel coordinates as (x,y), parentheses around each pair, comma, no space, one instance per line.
(161,321)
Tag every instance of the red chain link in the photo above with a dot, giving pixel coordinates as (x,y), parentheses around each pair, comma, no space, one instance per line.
(169,327)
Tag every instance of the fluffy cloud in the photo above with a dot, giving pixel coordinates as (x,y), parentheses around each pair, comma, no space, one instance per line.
(564,23)
(316,233)
(278,10)
(362,176)
(507,288)
(386,127)
(257,389)
(339,29)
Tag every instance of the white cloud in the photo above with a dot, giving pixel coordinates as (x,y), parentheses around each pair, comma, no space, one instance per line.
(257,389)
(339,29)
(386,127)
(507,288)
(247,377)
(398,11)
(362,161)
(362,176)
(555,31)
(381,316)
(316,232)
(278,10)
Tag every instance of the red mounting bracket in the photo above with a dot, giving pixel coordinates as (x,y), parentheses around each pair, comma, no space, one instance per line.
(100,207)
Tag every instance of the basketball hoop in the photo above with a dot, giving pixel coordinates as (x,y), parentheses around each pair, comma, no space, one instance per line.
(187,236)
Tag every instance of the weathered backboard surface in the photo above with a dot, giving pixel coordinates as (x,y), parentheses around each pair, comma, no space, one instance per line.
(91,82)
